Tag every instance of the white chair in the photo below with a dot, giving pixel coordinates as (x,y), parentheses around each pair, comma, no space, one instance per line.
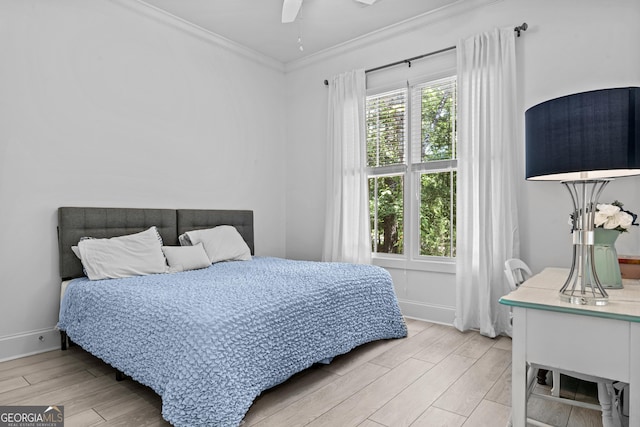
(517,271)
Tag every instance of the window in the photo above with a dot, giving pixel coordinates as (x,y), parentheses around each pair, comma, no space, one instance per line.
(411,160)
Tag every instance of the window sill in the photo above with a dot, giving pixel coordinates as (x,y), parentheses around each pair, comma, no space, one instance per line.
(400,263)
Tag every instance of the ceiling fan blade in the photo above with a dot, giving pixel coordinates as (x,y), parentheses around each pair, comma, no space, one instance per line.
(369,2)
(290,9)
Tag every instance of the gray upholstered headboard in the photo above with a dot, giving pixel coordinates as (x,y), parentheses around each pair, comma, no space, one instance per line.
(196,219)
(77,222)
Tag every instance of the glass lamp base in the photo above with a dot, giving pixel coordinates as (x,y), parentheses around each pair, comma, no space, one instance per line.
(584,299)
(583,286)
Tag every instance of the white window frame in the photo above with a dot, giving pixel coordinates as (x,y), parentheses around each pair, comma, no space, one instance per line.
(411,258)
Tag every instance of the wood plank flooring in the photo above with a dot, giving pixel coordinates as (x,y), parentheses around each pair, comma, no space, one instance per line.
(437,376)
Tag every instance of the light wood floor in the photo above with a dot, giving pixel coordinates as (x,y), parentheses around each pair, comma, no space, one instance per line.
(435,377)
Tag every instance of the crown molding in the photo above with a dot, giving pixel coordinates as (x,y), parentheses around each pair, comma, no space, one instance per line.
(164,17)
(442,13)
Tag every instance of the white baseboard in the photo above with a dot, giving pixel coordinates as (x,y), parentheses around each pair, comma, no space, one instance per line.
(28,343)
(428,313)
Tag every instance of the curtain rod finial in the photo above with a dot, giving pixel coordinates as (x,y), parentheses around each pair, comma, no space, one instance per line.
(520,28)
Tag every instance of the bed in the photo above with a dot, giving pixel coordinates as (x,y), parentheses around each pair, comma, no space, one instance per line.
(210,340)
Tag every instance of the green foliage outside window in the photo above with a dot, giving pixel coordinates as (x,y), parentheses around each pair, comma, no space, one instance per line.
(386,123)
(387,221)
(437,190)
(437,232)
(437,123)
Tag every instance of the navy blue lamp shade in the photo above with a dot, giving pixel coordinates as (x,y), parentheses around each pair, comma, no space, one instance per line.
(588,135)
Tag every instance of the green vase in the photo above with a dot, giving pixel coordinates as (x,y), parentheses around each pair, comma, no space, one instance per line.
(606,258)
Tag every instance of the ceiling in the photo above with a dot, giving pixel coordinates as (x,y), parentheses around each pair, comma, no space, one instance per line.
(321,24)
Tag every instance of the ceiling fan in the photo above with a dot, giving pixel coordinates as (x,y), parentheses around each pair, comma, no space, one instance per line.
(290,9)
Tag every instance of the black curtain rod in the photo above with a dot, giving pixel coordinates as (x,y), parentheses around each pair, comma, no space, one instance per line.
(408,61)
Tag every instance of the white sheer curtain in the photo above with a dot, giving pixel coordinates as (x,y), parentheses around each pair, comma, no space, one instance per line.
(487,224)
(347,216)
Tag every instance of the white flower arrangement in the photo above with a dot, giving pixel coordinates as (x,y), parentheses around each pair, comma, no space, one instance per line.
(612,217)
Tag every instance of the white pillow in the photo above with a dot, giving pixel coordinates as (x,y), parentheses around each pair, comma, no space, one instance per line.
(123,256)
(183,258)
(222,243)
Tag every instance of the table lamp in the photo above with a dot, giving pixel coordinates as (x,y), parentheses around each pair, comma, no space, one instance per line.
(584,140)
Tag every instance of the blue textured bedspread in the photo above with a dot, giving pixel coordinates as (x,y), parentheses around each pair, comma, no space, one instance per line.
(210,341)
